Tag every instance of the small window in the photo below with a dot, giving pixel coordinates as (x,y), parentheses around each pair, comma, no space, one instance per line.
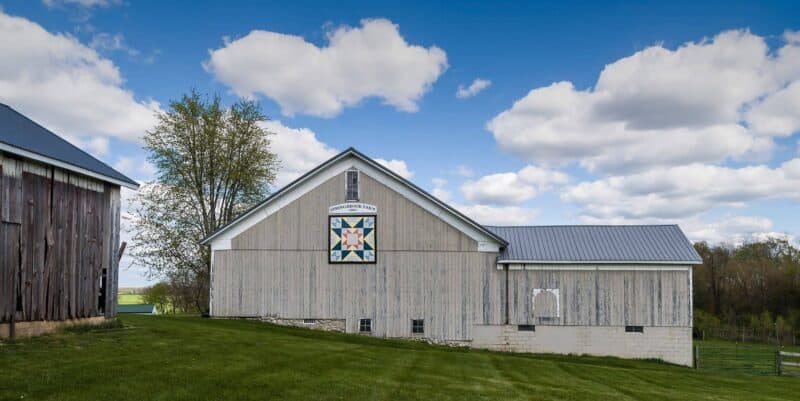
(365,326)
(351,187)
(417,326)
(309,321)
(634,329)
(526,327)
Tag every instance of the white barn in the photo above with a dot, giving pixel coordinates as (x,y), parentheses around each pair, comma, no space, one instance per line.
(352,246)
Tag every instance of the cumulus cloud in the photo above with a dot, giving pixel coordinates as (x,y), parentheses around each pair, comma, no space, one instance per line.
(466,171)
(682,191)
(107,42)
(473,89)
(662,107)
(66,86)
(439,190)
(372,60)
(512,188)
(397,166)
(298,150)
(500,216)
(82,3)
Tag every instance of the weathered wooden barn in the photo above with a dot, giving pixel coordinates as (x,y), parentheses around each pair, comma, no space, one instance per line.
(352,246)
(59,230)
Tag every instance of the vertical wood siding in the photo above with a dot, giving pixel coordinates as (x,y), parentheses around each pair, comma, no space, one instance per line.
(604,298)
(450,290)
(426,269)
(58,231)
(402,224)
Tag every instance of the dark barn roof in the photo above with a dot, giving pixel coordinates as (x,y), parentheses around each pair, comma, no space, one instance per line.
(603,244)
(21,135)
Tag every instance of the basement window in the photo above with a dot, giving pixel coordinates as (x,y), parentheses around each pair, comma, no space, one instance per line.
(634,329)
(365,326)
(309,321)
(351,186)
(526,327)
(417,326)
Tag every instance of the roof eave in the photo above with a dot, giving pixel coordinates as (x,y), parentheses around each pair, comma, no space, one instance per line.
(600,262)
(131,184)
(347,152)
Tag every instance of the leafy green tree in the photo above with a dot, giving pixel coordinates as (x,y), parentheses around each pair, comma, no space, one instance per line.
(213,163)
(157,294)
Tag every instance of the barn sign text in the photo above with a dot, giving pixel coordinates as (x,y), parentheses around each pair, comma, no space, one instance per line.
(352,208)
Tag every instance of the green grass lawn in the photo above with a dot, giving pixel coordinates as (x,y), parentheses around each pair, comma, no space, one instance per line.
(190,358)
(129,299)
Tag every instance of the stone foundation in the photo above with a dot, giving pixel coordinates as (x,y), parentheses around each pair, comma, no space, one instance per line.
(337,325)
(669,344)
(30,329)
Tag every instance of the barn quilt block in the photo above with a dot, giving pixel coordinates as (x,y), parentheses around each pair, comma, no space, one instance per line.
(352,239)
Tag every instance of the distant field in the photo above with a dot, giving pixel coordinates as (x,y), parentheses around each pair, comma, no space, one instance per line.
(165,358)
(127,299)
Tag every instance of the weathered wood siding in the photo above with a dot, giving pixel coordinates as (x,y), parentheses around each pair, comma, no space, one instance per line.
(59,232)
(426,269)
(450,290)
(604,298)
(401,226)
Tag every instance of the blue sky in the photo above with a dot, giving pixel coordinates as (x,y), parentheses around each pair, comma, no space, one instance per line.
(589,112)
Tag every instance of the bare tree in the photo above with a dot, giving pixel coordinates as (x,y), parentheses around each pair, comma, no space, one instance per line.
(213,163)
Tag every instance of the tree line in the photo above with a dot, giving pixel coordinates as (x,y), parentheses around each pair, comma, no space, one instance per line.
(748,292)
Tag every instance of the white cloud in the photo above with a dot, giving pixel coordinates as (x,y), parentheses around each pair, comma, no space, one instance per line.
(501,216)
(397,166)
(82,3)
(512,188)
(298,150)
(689,103)
(464,171)
(735,229)
(107,42)
(498,189)
(682,191)
(135,167)
(476,86)
(65,85)
(778,114)
(373,60)
(439,190)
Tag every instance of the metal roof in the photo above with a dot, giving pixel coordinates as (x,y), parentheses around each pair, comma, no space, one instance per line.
(21,135)
(136,308)
(601,244)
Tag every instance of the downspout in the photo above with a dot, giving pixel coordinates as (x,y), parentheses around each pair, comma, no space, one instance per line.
(505,267)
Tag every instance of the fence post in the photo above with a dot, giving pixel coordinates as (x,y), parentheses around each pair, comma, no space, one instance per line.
(779,362)
(697,357)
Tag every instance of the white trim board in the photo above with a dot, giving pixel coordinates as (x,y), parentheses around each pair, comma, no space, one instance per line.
(602,267)
(66,166)
(597,262)
(222,239)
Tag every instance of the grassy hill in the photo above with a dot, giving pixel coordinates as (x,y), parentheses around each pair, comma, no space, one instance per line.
(189,358)
(127,299)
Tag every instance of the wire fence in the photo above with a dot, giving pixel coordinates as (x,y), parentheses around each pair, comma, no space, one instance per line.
(755,359)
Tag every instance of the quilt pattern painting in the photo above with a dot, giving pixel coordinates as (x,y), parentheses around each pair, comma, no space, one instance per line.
(352,239)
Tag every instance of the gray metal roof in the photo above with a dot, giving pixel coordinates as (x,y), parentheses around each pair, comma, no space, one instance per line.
(20,133)
(604,244)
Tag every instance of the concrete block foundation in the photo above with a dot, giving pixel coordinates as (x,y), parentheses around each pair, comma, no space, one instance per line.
(670,344)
